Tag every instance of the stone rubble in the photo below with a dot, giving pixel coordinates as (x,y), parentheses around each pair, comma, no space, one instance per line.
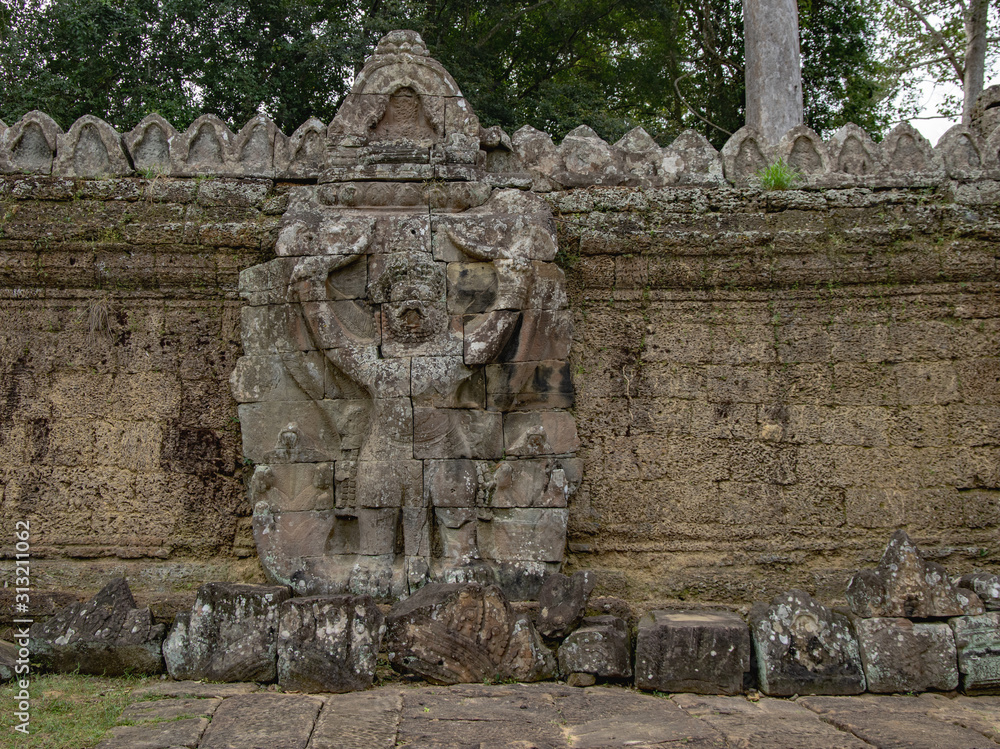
(803,647)
(328,644)
(230,634)
(106,636)
(601,646)
(905,585)
(903,656)
(703,652)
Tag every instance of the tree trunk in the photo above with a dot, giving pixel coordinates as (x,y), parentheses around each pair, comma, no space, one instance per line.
(773,68)
(975,55)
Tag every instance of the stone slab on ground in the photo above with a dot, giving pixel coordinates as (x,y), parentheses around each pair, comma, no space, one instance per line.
(895,722)
(766,724)
(193,689)
(263,721)
(358,719)
(500,716)
(172,733)
(156,710)
(556,716)
(599,717)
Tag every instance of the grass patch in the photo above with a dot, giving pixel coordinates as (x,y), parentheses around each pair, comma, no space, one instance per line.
(68,711)
(778,176)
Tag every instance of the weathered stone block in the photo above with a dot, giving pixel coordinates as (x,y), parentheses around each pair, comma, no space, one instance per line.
(106,636)
(535,482)
(328,644)
(977,640)
(562,602)
(600,646)
(540,433)
(529,385)
(984,585)
(704,652)
(802,647)
(230,634)
(526,534)
(902,656)
(905,585)
(450,633)
(527,658)
(456,433)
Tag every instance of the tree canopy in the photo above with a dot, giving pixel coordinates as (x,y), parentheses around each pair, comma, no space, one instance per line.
(613,64)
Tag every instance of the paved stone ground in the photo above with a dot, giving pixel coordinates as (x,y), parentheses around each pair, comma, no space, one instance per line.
(170,715)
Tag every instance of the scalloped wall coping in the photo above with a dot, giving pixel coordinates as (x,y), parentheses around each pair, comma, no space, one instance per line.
(35,144)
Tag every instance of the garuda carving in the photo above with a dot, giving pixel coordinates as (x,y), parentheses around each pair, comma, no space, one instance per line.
(404,389)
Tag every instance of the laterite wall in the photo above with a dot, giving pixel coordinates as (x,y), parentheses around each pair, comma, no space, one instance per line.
(767,382)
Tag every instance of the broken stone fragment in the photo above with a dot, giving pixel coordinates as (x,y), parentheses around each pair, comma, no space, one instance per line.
(901,656)
(527,657)
(451,633)
(977,641)
(229,635)
(589,160)
(562,601)
(905,585)
(802,647)
(984,585)
(601,646)
(328,644)
(106,636)
(704,652)
(8,660)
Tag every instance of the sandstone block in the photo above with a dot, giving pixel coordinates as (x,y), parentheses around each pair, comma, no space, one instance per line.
(600,646)
(230,634)
(529,385)
(562,602)
(328,644)
(524,534)
(535,482)
(802,647)
(984,585)
(527,658)
(540,433)
(8,660)
(456,433)
(901,656)
(106,636)
(704,652)
(450,633)
(904,585)
(977,640)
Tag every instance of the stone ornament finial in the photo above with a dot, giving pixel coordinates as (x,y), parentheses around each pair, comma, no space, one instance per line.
(405,386)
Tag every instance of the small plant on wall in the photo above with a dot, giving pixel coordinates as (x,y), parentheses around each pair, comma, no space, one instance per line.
(777,176)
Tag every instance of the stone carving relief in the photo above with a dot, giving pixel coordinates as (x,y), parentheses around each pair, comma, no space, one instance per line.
(405,383)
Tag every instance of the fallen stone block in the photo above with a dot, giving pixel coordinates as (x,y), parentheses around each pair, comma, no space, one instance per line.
(703,652)
(451,633)
(328,643)
(984,585)
(977,641)
(108,635)
(562,601)
(600,646)
(802,647)
(906,585)
(8,660)
(901,656)
(230,634)
(527,658)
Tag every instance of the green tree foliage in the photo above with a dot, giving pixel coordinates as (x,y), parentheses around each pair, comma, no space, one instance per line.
(554,64)
(929,41)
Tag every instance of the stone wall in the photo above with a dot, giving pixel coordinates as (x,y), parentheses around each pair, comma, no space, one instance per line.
(767,382)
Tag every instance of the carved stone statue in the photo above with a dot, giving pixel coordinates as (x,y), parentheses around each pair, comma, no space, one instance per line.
(404,386)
